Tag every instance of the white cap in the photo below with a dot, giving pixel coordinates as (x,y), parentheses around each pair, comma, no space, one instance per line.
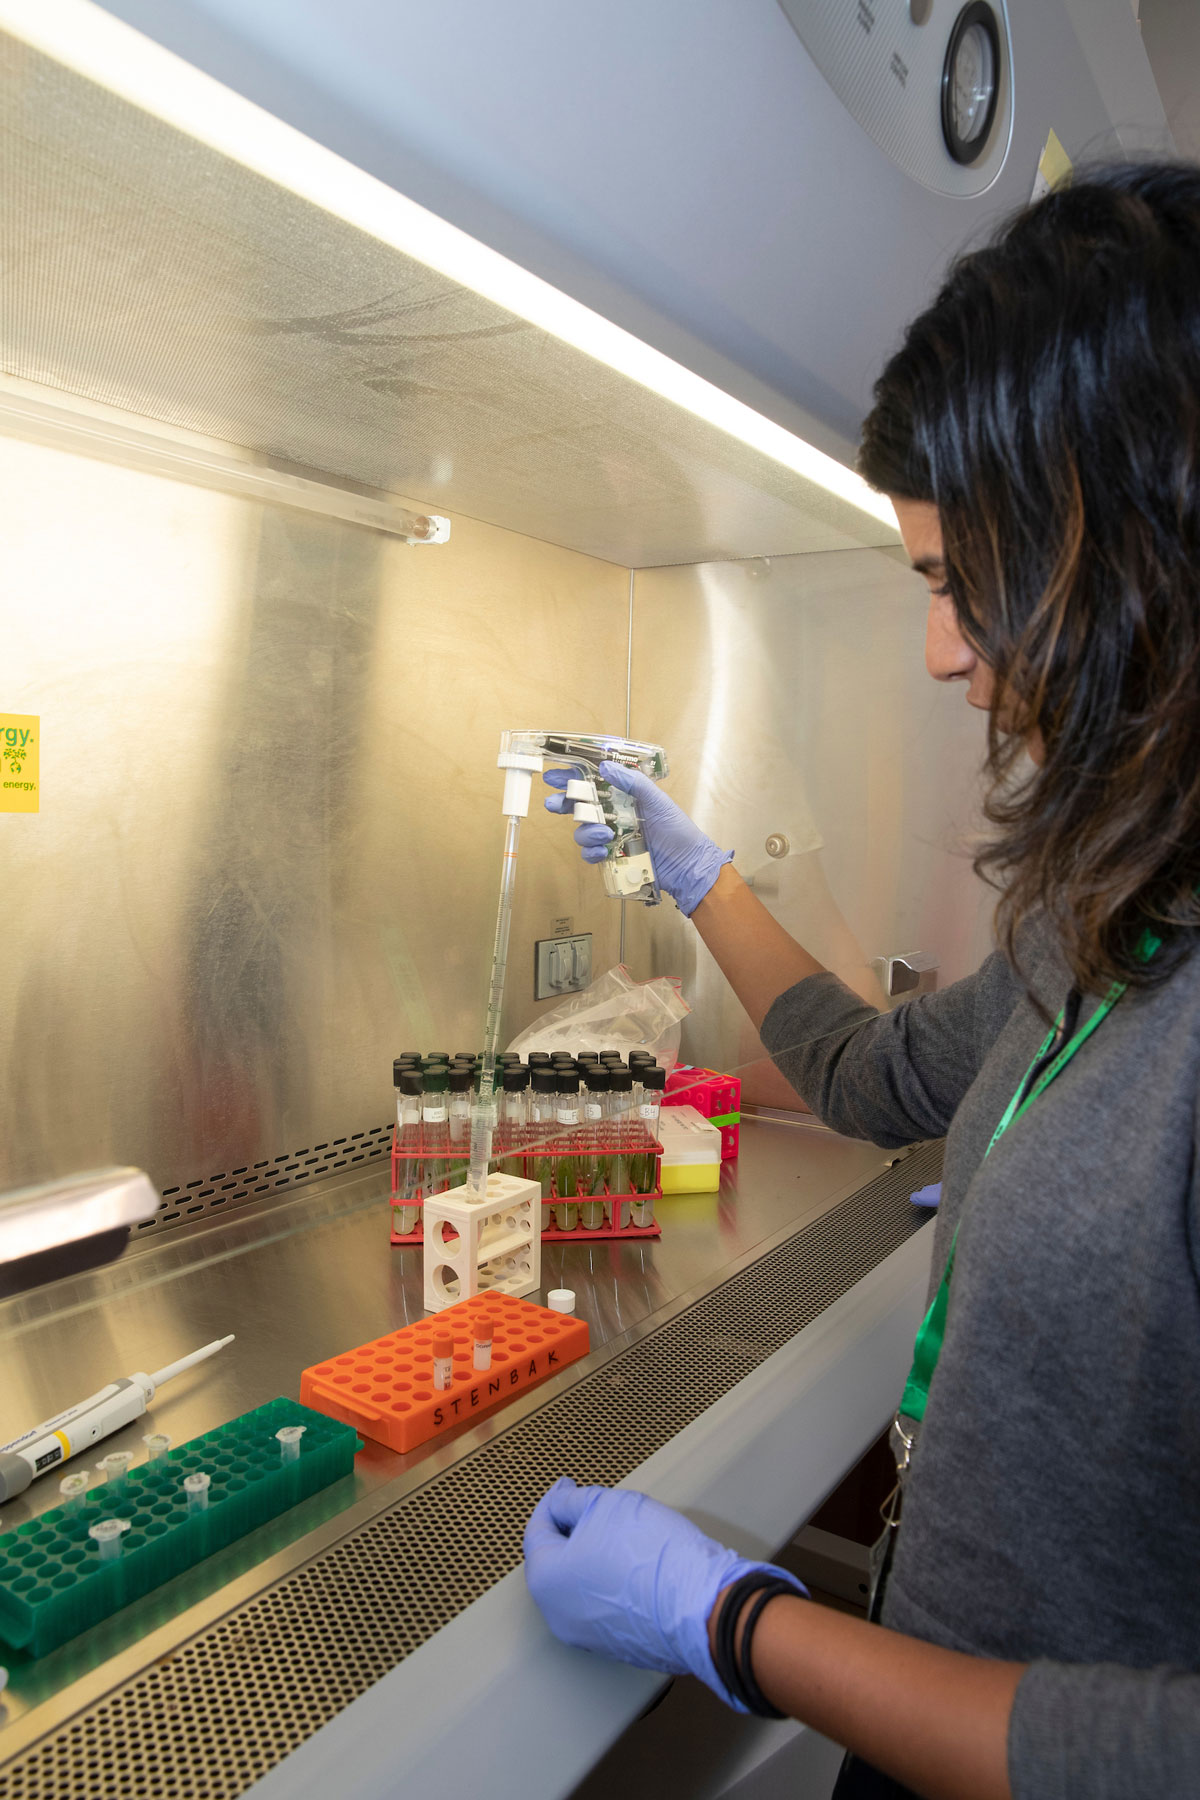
(105,1530)
(561,1300)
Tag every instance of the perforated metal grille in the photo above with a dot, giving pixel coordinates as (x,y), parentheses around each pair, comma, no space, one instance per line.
(211,1193)
(229,1705)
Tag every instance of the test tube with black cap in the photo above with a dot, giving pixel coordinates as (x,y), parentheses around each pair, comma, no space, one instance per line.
(408,1143)
(514,1107)
(566,1162)
(461,1080)
(543,1084)
(596,1163)
(435,1127)
(620,1085)
(644,1166)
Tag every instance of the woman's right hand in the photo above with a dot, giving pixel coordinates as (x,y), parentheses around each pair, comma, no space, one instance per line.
(686,862)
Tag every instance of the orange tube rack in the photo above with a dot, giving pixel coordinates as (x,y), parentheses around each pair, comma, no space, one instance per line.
(385,1388)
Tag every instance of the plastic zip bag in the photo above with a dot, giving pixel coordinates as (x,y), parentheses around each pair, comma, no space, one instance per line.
(614,1013)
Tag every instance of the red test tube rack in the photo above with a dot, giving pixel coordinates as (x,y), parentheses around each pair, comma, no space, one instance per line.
(716,1097)
(419,1171)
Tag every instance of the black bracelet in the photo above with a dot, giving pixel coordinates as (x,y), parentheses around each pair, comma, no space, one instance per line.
(734,1670)
(727,1618)
(757,1700)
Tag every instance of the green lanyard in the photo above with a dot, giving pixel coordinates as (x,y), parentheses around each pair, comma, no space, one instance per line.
(928,1346)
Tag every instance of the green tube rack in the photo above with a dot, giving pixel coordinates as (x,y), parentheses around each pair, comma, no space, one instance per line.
(53,1584)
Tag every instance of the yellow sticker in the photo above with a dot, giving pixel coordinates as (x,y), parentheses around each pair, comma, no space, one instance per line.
(1053,170)
(19,736)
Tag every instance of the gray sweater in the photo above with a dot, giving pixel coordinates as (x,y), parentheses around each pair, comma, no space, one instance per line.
(1052,1515)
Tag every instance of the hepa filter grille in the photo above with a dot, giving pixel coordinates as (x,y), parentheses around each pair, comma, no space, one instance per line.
(234,1701)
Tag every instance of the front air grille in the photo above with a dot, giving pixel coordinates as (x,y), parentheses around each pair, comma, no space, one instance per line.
(235,1700)
(182,1204)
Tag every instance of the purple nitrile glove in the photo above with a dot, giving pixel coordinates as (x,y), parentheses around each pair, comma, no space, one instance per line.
(686,861)
(616,1573)
(928,1196)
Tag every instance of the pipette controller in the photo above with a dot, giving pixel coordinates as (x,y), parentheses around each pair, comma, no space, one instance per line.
(81,1426)
(629,869)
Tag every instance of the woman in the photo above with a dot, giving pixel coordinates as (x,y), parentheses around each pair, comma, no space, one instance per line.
(1039,431)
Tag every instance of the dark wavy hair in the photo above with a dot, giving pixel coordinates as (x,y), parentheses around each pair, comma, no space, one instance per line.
(1048,404)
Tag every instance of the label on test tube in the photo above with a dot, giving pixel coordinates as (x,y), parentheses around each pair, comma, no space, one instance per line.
(593,1114)
(434,1115)
(648,1112)
(443,1362)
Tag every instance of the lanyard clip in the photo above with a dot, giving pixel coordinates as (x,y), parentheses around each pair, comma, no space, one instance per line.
(903,1444)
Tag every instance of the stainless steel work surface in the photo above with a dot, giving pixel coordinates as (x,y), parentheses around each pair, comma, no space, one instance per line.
(308,1278)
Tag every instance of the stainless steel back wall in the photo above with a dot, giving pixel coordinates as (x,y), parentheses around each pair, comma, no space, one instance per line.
(793,697)
(269,840)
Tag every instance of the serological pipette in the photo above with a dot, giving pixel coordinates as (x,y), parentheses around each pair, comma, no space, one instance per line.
(83,1425)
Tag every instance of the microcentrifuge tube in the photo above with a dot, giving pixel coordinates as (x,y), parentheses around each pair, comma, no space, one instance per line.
(196,1488)
(443,1361)
(482,1331)
(107,1535)
(288,1437)
(73,1488)
(157,1444)
(116,1468)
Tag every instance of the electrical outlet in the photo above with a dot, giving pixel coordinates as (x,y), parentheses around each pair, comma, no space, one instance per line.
(561,965)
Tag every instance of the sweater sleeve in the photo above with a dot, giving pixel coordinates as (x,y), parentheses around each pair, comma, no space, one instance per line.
(1098,1732)
(892,1077)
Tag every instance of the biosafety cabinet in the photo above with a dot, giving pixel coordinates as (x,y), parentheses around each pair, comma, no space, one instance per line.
(375,379)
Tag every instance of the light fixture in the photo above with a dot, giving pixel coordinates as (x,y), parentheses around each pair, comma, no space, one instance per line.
(108,439)
(85,38)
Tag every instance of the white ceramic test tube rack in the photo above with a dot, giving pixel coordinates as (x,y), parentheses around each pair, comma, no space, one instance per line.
(476,1246)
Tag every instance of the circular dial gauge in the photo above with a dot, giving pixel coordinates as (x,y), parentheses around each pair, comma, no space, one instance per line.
(971,81)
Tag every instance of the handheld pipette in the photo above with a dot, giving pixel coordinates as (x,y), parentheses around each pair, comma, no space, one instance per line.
(628,869)
(80,1426)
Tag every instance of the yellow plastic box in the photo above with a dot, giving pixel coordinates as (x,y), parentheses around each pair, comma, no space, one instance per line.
(691,1158)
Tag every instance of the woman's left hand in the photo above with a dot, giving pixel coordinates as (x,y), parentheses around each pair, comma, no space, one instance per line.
(615,1572)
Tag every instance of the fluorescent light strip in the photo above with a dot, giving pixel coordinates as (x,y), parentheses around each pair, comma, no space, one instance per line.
(85,38)
(62,428)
